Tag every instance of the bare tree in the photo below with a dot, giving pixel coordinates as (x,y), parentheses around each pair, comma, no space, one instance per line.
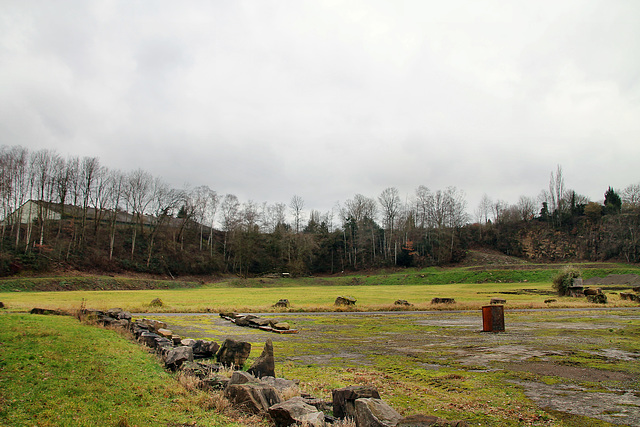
(483,209)
(390,202)
(631,197)
(163,202)
(137,191)
(117,181)
(297,205)
(526,208)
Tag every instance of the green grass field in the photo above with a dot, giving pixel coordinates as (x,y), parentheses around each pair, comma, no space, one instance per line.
(470,288)
(55,371)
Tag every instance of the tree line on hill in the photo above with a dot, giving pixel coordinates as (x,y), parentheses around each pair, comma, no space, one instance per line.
(84,215)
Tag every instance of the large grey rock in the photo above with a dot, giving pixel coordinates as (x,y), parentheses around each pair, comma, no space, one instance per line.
(296,411)
(233,353)
(253,398)
(282,385)
(175,357)
(205,349)
(344,399)
(371,412)
(265,365)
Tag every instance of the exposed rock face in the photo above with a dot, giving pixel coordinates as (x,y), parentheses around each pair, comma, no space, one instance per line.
(296,411)
(265,365)
(344,399)
(371,412)
(254,398)
(345,301)
(233,353)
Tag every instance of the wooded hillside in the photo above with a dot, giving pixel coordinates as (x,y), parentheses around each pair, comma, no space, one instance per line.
(76,213)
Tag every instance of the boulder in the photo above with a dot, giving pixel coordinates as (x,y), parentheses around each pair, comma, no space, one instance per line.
(281,385)
(165,333)
(320,404)
(265,365)
(163,343)
(253,398)
(443,301)
(233,353)
(497,301)
(205,349)
(148,338)
(259,321)
(592,291)
(597,299)
(175,357)
(420,420)
(241,377)
(283,303)
(121,324)
(188,341)
(342,300)
(371,412)
(402,302)
(156,302)
(2,304)
(296,411)
(344,399)
(281,326)
(154,325)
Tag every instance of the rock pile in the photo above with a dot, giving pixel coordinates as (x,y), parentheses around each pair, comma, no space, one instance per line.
(258,391)
(253,321)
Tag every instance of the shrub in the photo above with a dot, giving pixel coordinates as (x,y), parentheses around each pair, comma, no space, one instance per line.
(563,280)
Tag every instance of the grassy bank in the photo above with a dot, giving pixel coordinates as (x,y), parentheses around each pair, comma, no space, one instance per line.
(56,371)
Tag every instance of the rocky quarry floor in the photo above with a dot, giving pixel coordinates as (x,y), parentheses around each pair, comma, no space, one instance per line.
(578,362)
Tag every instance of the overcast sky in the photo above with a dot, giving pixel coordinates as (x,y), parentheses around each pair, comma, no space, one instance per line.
(326,99)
